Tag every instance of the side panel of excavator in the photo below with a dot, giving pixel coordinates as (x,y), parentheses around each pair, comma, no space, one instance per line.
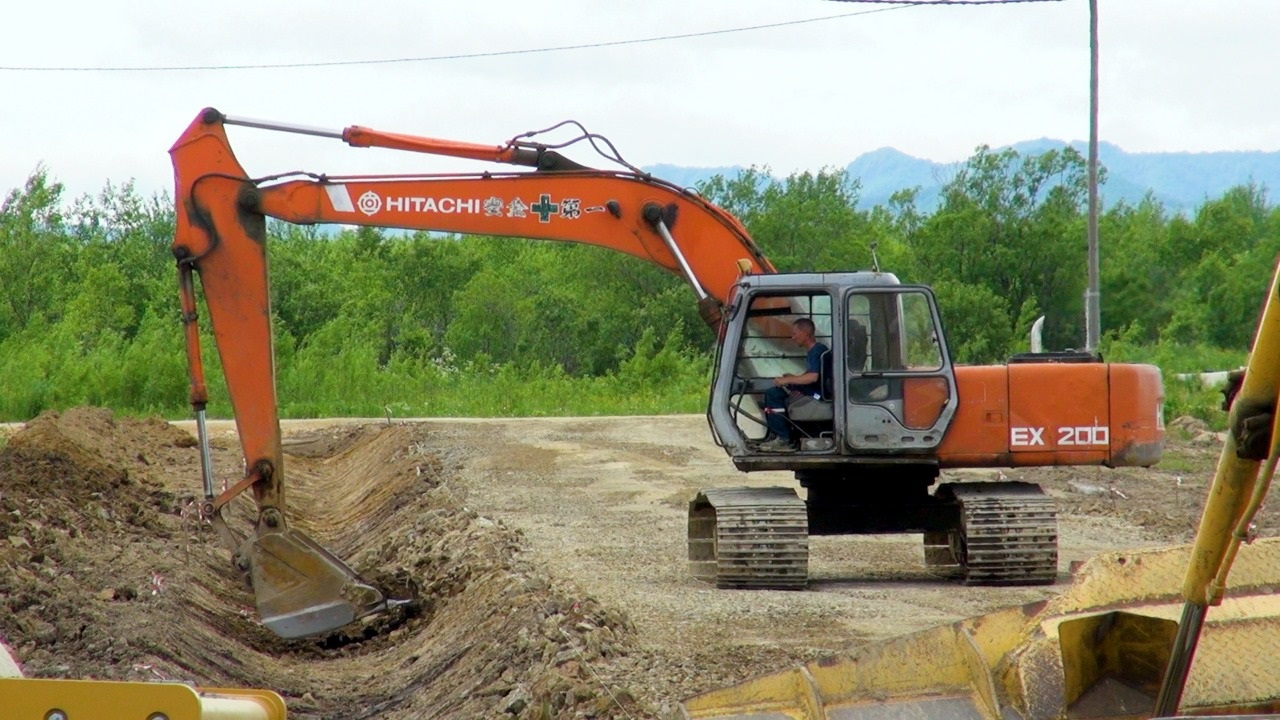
(1137,415)
(1050,413)
(1058,413)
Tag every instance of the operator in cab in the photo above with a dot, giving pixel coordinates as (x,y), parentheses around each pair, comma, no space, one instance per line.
(790,390)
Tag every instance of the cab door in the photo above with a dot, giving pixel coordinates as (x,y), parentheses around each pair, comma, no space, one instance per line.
(899,384)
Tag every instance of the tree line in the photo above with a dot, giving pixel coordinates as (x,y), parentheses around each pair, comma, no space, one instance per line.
(370,322)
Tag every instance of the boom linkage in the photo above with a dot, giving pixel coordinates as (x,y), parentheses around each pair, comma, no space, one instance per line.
(220,235)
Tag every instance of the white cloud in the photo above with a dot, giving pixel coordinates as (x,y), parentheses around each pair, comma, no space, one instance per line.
(931,81)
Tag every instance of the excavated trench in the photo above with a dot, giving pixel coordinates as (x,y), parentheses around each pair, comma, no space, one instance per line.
(107,572)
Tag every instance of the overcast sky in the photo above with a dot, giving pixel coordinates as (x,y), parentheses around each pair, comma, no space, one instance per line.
(934,82)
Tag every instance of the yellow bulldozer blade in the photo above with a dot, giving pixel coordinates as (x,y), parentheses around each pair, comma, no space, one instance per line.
(1096,651)
(32,699)
(303,589)
(39,699)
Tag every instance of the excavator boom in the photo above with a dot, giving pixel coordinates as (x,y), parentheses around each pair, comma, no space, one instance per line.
(301,588)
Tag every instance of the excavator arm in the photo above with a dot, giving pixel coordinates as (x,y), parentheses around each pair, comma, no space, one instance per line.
(301,589)
(1243,478)
(626,211)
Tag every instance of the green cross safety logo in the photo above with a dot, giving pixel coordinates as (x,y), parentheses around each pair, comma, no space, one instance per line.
(544,208)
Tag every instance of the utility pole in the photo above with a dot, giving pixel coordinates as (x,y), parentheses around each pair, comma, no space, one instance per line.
(1092,305)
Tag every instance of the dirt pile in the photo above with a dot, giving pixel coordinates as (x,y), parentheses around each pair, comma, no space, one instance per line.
(82,509)
(106,573)
(1165,501)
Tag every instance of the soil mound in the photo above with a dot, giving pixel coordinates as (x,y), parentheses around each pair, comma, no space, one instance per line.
(80,502)
(106,573)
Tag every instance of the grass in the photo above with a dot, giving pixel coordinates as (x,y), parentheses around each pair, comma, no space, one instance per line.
(347,379)
(1176,460)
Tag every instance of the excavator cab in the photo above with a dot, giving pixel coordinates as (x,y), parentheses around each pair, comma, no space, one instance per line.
(870,435)
(886,385)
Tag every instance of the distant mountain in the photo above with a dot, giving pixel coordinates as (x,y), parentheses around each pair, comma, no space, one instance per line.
(1181,181)
(885,171)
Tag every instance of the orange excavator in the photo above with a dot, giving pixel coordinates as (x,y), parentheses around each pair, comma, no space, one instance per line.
(886,412)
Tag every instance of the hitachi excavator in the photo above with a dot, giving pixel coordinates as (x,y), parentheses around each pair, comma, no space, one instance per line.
(887,411)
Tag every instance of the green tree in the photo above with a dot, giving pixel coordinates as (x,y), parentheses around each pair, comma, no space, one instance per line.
(118,228)
(1013,224)
(35,253)
(807,222)
(1137,271)
(1228,254)
(976,322)
(429,270)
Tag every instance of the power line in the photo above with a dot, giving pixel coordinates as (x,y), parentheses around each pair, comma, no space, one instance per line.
(895,5)
(942,2)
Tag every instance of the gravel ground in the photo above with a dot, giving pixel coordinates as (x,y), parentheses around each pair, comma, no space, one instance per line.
(548,554)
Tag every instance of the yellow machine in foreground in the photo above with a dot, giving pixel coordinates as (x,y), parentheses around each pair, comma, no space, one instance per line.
(1118,643)
(32,699)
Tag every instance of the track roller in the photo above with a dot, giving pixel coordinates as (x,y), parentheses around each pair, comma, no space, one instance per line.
(749,537)
(1007,535)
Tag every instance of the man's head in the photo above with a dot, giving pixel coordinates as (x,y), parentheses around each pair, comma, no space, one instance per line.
(802,331)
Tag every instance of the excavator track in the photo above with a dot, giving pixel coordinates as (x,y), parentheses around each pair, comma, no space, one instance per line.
(749,537)
(1008,533)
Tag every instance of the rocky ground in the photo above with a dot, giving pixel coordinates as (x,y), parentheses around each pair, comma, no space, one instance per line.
(547,556)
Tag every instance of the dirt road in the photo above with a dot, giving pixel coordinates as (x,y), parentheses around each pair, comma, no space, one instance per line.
(549,552)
